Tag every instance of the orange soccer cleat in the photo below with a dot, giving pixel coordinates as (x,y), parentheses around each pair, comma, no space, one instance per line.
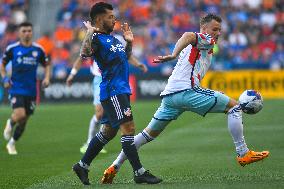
(109,174)
(251,157)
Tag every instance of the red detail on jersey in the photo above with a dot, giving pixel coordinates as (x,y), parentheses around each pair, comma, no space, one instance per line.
(198,76)
(192,81)
(202,36)
(193,56)
(212,42)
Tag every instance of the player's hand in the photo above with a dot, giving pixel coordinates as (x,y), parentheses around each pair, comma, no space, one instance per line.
(7,85)
(127,33)
(45,83)
(161,59)
(143,68)
(69,80)
(89,26)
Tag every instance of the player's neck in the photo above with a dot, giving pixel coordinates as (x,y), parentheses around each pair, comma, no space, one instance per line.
(26,43)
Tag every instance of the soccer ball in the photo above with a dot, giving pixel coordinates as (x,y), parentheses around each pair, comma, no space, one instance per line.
(251,101)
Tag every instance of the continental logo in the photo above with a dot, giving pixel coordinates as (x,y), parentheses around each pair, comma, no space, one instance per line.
(269,83)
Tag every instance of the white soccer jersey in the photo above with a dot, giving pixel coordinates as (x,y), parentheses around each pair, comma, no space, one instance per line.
(192,65)
(95,70)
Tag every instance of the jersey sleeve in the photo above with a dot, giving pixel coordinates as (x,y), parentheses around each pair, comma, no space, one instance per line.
(8,55)
(85,52)
(204,41)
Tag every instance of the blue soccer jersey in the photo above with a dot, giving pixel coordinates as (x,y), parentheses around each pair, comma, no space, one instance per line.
(112,60)
(24,61)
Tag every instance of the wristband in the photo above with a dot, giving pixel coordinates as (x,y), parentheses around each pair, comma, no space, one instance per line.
(73,71)
(6,79)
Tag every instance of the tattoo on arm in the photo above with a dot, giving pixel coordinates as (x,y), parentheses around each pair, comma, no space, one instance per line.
(128,49)
(86,48)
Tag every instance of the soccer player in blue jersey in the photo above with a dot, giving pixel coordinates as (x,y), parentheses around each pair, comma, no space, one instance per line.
(95,122)
(112,59)
(25,57)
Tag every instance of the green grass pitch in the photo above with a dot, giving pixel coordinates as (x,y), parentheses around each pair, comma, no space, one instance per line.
(193,152)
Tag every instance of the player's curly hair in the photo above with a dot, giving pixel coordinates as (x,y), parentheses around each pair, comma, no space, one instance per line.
(209,17)
(99,8)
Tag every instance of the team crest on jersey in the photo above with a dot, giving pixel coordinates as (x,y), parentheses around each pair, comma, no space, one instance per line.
(35,53)
(127,112)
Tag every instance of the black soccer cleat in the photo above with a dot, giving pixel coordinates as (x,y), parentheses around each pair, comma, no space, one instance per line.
(147,178)
(81,173)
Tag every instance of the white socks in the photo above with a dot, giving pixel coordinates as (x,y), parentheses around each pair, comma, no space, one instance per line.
(94,128)
(235,126)
(12,141)
(139,140)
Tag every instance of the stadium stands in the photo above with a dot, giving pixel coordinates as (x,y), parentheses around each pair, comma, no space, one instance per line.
(252,36)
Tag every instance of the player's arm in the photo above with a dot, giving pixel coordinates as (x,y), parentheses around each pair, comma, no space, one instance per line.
(47,73)
(128,37)
(7,56)
(87,49)
(186,39)
(76,67)
(5,78)
(133,60)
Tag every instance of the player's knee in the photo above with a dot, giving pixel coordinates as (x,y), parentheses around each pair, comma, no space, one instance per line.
(231,104)
(99,112)
(19,116)
(127,128)
(108,132)
(99,115)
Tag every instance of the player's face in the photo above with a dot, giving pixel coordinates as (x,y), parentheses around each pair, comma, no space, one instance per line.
(108,21)
(213,28)
(26,33)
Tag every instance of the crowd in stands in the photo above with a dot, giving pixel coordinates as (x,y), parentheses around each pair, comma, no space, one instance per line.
(252,30)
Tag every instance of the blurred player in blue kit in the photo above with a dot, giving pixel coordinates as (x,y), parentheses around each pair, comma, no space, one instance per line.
(112,60)
(25,57)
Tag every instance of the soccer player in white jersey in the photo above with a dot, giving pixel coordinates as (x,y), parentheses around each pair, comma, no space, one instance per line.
(95,125)
(184,93)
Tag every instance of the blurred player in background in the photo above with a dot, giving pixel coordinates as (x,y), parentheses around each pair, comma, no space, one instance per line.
(25,57)
(183,93)
(112,59)
(95,125)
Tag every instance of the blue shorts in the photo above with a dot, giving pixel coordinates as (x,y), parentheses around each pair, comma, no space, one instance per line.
(197,99)
(26,102)
(117,110)
(96,89)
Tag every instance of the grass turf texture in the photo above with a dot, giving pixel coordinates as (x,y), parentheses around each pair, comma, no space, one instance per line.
(193,152)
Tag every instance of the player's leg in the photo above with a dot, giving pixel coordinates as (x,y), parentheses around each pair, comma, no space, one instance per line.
(81,168)
(165,113)
(95,124)
(235,126)
(17,116)
(23,107)
(94,127)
